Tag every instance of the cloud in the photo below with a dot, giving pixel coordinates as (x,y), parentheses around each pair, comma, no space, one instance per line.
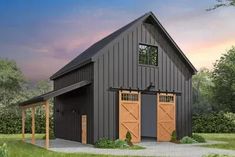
(57,41)
(203,36)
(41,68)
(42,46)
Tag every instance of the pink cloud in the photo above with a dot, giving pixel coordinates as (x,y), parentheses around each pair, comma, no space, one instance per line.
(203,36)
(55,56)
(41,68)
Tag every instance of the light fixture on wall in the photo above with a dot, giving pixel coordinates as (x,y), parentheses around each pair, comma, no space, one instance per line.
(150,87)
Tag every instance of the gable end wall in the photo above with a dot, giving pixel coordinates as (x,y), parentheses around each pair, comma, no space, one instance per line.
(117,66)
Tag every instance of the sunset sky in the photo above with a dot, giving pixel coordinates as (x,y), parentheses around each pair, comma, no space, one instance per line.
(44,35)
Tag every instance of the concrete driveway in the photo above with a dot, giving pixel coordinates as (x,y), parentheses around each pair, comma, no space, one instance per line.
(153,148)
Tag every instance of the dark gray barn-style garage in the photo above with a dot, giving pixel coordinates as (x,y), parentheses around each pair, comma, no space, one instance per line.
(137,80)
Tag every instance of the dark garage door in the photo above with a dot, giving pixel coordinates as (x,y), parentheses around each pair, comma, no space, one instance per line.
(148,115)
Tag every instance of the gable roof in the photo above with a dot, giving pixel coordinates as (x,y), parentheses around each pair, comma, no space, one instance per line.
(86,56)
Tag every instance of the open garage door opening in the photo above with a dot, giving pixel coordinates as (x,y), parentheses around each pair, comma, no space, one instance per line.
(148,117)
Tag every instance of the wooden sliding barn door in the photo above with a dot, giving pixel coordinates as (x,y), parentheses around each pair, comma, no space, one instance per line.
(165,116)
(129,115)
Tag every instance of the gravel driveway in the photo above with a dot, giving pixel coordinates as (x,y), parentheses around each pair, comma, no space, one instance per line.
(152,149)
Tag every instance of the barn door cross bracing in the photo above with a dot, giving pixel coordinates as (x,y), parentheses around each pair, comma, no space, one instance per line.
(165,116)
(129,115)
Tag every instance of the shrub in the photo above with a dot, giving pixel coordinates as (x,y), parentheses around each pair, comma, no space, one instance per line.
(3,150)
(214,123)
(198,138)
(11,122)
(128,138)
(105,143)
(120,144)
(187,140)
(173,136)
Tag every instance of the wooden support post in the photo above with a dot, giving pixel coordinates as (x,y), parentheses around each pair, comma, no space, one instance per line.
(33,125)
(47,124)
(23,124)
(84,129)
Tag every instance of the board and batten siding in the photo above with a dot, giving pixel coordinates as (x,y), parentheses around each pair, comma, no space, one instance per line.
(69,108)
(83,73)
(117,66)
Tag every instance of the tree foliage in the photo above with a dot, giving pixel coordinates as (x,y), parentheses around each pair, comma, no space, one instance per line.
(37,88)
(202,91)
(222,3)
(31,90)
(215,90)
(224,82)
(11,81)
(14,88)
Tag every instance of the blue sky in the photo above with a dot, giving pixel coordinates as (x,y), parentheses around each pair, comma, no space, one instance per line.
(44,35)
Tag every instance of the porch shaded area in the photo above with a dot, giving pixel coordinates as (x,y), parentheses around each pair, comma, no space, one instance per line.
(43,100)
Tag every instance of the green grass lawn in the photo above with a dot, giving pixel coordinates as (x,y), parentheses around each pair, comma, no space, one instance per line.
(229,138)
(17,148)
